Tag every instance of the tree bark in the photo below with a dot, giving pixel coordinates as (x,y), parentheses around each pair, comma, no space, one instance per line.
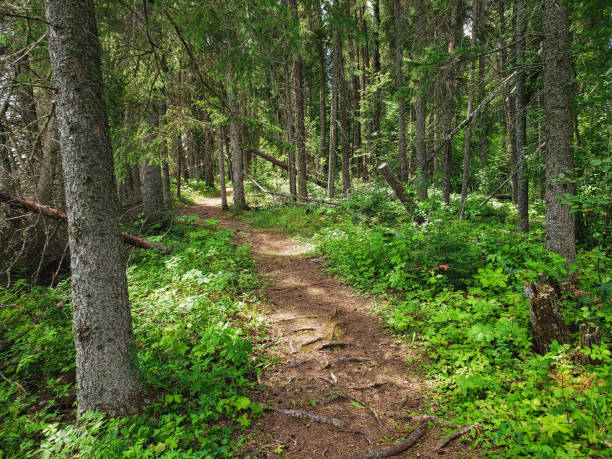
(107,380)
(560,231)
(220,141)
(520,124)
(333,121)
(546,319)
(300,130)
(419,111)
(236,150)
(396,186)
(399,80)
(450,106)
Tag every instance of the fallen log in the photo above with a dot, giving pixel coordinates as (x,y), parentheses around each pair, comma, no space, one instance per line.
(283,165)
(396,186)
(412,439)
(58,215)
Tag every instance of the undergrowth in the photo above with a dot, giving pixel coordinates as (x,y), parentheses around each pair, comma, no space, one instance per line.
(455,290)
(194,340)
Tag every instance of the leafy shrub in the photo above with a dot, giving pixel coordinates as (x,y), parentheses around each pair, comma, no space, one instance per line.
(193,352)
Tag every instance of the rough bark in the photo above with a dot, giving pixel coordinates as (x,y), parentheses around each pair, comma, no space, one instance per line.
(520,124)
(236,150)
(399,80)
(419,111)
(220,141)
(396,186)
(153,204)
(107,380)
(343,111)
(300,130)
(468,130)
(546,320)
(376,72)
(333,117)
(560,231)
(450,106)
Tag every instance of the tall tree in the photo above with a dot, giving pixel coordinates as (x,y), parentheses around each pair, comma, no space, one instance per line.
(520,123)
(298,93)
(398,18)
(450,105)
(560,231)
(104,341)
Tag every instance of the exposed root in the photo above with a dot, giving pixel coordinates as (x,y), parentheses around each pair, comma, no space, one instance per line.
(448,440)
(412,439)
(312,341)
(307,416)
(295,318)
(372,410)
(333,345)
(298,363)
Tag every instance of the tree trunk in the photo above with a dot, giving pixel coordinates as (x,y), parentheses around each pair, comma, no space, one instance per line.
(377,96)
(520,124)
(179,167)
(104,341)
(468,130)
(419,126)
(560,231)
(396,186)
(333,121)
(399,80)
(220,141)
(300,130)
(343,113)
(449,109)
(234,128)
(546,320)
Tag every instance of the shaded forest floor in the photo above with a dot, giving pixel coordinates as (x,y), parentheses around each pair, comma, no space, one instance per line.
(327,355)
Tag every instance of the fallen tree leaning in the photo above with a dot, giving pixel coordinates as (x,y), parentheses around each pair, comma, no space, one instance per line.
(58,215)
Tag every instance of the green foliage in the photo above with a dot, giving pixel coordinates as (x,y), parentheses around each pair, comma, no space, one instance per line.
(194,352)
(455,290)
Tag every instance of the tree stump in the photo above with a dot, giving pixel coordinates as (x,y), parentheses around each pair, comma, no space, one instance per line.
(546,319)
(590,335)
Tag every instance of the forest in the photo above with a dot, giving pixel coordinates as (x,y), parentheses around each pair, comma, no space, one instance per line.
(305,228)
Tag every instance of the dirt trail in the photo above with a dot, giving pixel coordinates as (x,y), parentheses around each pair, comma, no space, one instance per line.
(332,358)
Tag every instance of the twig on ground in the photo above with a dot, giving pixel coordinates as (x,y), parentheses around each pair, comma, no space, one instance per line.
(412,439)
(448,440)
(295,318)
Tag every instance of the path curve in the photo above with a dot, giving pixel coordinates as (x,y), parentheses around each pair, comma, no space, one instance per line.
(332,357)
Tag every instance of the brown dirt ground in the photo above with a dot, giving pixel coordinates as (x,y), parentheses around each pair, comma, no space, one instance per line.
(367,367)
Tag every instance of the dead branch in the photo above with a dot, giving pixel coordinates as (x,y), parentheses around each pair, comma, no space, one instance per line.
(284,166)
(448,440)
(58,215)
(412,439)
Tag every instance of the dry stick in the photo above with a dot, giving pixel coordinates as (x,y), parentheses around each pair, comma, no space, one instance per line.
(307,416)
(283,165)
(447,441)
(404,401)
(61,217)
(283,195)
(414,437)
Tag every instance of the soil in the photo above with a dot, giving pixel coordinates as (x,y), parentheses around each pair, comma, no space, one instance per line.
(330,356)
